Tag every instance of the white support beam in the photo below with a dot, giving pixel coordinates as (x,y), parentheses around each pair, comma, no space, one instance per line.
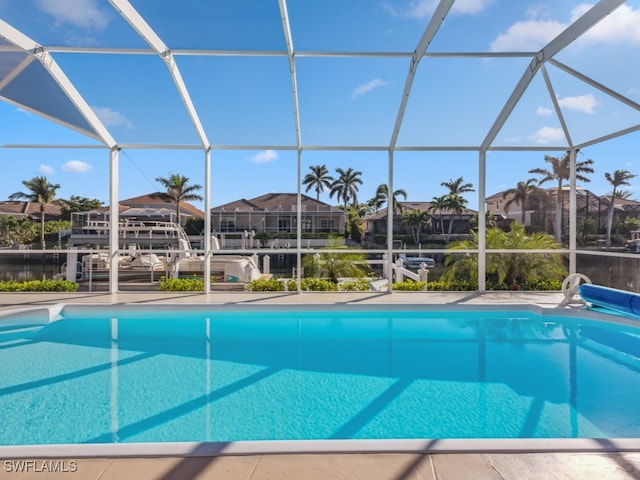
(556,106)
(286,28)
(432,28)
(573,218)
(20,40)
(299,271)
(611,136)
(571,33)
(388,267)
(284,15)
(594,84)
(139,24)
(16,71)
(207,221)
(114,219)
(482,222)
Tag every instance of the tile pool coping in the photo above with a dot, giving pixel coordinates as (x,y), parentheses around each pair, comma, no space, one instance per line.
(272,447)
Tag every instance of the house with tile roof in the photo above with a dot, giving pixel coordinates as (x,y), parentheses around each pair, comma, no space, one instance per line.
(540,213)
(149,207)
(376,224)
(275,213)
(22,209)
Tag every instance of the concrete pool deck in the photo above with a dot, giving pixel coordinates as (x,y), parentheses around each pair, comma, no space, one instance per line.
(558,463)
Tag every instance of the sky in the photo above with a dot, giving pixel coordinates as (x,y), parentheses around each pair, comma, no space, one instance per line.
(245,102)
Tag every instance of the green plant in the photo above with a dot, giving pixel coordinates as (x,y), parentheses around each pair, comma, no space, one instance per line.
(409,286)
(270,285)
(544,284)
(313,285)
(507,271)
(38,286)
(361,285)
(333,265)
(189,284)
(456,285)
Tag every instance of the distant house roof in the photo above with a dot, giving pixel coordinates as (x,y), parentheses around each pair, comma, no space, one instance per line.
(152,203)
(271,202)
(584,196)
(21,209)
(158,200)
(625,204)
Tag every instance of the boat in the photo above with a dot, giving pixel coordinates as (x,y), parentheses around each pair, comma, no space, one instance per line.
(416,262)
(224,267)
(137,261)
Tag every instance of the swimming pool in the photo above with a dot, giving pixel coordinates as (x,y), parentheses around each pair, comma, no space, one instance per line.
(138,374)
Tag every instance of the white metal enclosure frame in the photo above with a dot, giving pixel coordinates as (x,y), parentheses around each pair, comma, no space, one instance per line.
(13,42)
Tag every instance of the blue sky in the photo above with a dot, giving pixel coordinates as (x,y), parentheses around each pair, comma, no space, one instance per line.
(246,101)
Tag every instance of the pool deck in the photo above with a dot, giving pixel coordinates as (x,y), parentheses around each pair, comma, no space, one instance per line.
(559,462)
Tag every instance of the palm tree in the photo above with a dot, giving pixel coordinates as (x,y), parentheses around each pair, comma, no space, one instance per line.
(520,195)
(560,171)
(382,197)
(489,221)
(78,204)
(367,208)
(617,179)
(318,179)
(456,204)
(457,186)
(623,194)
(345,187)
(416,219)
(41,192)
(179,190)
(438,204)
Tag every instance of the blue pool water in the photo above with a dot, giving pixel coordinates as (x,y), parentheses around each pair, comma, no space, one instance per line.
(159,376)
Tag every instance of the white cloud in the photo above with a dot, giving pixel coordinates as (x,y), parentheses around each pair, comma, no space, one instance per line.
(421,9)
(76,166)
(527,36)
(547,135)
(470,7)
(582,103)
(264,157)
(367,87)
(544,111)
(45,169)
(111,118)
(80,13)
(621,26)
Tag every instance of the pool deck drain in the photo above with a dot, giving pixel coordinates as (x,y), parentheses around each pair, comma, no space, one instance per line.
(490,464)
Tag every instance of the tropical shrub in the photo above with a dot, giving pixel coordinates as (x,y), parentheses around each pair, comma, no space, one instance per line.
(456,285)
(189,284)
(508,271)
(38,286)
(313,285)
(355,286)
(409,286)
(270,285)
(333,265)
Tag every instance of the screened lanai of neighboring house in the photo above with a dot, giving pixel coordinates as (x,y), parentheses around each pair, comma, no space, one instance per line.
(245,97)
